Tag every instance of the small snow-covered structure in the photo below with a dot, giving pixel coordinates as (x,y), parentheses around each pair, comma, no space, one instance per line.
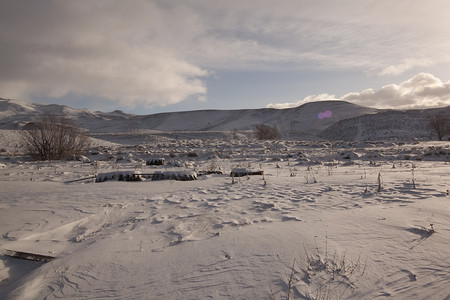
(119,176)
(29,256)
(349,155)
(184,175)
(192,154)
(239,172)
(180,175)
(216,172)
(156,162)
(81,158)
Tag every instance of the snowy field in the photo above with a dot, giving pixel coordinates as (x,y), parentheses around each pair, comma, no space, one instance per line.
(325,221)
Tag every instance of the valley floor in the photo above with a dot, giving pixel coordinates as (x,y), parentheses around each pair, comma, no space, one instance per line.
(348,230)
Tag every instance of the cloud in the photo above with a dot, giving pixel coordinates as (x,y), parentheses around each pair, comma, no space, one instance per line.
(421,91)
(371,36)
(102,49)
(156,52)
(406,65)
(311,98)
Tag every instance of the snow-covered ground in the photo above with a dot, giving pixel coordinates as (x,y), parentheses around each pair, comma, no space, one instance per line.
(325,221)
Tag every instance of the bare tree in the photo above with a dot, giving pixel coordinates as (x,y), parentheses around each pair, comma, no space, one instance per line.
(439,124)
(264,132)
(52,138)
(234,133)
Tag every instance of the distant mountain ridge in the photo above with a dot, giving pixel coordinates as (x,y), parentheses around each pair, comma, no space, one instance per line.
(14,114)
(331,120)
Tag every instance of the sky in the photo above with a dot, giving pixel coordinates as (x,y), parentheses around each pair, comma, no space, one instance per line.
(150,56)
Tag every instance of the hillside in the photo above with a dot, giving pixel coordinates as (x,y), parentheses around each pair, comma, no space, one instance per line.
(14,114)
(391,125)
(302,118)
(331,120)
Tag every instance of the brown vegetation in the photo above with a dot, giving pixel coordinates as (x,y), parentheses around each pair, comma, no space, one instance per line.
(53,138)
(264,132)
(440,125)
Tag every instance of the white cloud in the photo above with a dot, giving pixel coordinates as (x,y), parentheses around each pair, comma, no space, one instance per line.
(371,36)
(311,98)
(158,52)
(406,65)
(421,91)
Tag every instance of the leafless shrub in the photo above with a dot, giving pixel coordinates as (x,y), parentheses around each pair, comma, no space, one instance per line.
(380,183)
(293,172)
(335,266)
(309,176)
(329,170)
(212,166)
(264,132)
(290,280)
(364,175)
(234,133)
(53,138)
(322,276)
(440,125)
(413,177)
(423,231)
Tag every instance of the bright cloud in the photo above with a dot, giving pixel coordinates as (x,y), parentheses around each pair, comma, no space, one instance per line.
(422,90)
(160,52)
(311,98)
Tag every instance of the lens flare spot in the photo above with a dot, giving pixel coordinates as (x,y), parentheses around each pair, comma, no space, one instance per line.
(324,115)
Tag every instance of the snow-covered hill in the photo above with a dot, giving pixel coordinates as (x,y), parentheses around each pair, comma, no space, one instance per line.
(303,118)
(391,124)
(331,120)
(310,118)
(14,114)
